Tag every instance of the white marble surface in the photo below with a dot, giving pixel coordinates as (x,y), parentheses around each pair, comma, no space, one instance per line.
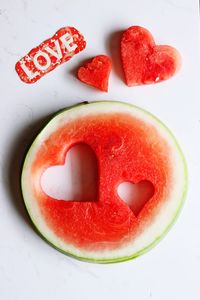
(29,268)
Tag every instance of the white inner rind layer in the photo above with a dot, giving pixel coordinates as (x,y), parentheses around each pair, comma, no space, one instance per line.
(160,223)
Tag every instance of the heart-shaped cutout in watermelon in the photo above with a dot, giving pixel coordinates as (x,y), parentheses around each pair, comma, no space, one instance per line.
(143,61)
(136,195)
(76,180)
(130,146)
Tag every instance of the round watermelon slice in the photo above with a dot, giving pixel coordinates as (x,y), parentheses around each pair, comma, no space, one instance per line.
(130,145)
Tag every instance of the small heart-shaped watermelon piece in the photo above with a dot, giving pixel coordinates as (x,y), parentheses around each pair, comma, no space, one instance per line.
(143,61)
(96,73)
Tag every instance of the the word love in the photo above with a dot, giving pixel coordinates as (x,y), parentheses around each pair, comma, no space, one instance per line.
(67,42)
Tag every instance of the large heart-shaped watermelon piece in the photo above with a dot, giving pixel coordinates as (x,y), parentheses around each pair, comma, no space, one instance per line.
(143,61)
(130,146)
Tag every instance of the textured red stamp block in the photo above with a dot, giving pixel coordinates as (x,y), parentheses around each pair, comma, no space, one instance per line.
(66,42)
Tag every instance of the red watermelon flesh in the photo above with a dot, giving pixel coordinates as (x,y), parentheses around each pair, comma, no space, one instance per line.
(96,73)
(130,146)
(144,62)
(120,145)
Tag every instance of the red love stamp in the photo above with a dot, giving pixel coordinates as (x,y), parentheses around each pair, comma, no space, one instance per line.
(66,42)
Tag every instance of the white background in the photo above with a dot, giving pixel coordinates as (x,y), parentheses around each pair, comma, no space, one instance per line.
(29,268)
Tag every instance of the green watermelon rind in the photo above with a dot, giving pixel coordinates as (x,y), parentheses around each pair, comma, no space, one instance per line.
(158,238)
